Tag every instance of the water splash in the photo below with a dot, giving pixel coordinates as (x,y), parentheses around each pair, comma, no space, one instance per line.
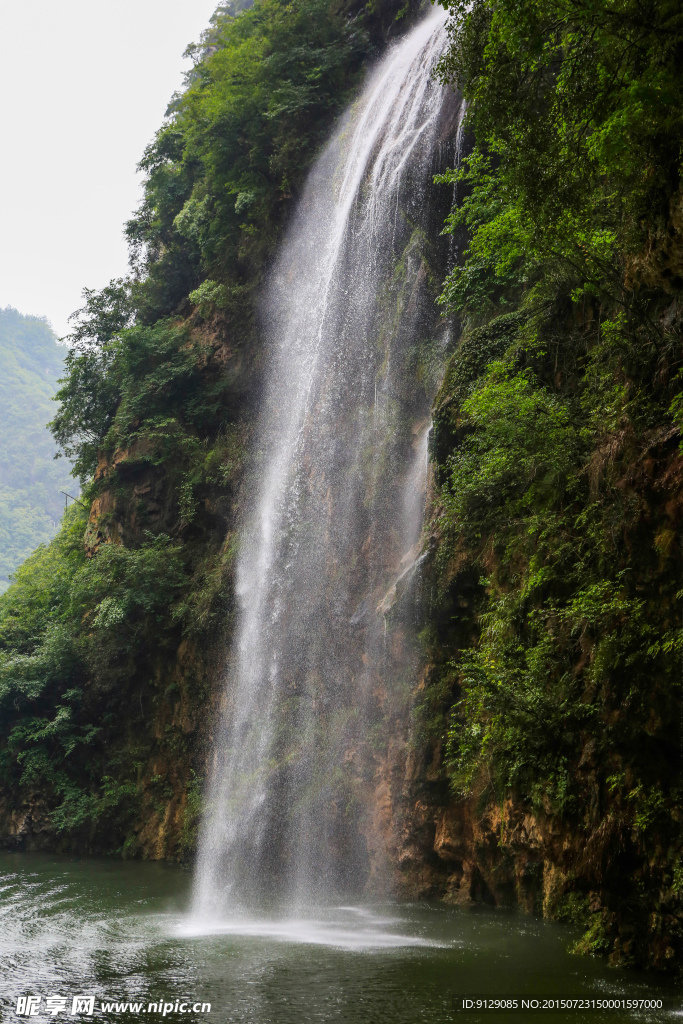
(338,503)
(355,929)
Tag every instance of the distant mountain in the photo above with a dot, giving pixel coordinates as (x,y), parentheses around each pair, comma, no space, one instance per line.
(31,362)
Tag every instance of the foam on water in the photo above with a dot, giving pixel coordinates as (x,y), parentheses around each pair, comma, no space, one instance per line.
(350,928)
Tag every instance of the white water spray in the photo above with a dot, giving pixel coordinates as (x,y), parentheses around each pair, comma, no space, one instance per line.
(338,503)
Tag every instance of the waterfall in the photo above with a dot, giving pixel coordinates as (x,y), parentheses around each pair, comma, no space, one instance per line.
(338,503)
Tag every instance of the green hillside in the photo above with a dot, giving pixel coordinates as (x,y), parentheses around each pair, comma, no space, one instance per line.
(31,362)
(537,757)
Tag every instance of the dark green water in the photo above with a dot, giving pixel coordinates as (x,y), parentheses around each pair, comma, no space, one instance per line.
(120,931)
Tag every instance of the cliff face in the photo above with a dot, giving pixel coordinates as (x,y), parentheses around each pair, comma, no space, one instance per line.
(545,761)
(114,638)
(550,707)
(150,695)
(533,756)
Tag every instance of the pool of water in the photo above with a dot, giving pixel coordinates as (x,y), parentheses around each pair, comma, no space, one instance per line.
(121,932)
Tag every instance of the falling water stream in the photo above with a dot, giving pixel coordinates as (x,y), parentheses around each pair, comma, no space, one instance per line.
(339,501)
(290,917)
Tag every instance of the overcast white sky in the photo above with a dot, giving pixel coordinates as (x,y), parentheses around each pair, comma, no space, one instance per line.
(83,87)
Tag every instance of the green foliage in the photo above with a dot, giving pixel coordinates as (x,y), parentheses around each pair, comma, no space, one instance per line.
(569,630)
(573,907)
(89,393)
(153,411)
(111,810)
(556,438)
(500,258)
(220,175)
(208,297)
(222,170)
(517,454)
(147,392)
(70,626)
(30,481)
(576,109)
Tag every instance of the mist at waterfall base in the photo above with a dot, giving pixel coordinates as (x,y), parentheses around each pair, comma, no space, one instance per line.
(322,660)
(289,917)
(115,930)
